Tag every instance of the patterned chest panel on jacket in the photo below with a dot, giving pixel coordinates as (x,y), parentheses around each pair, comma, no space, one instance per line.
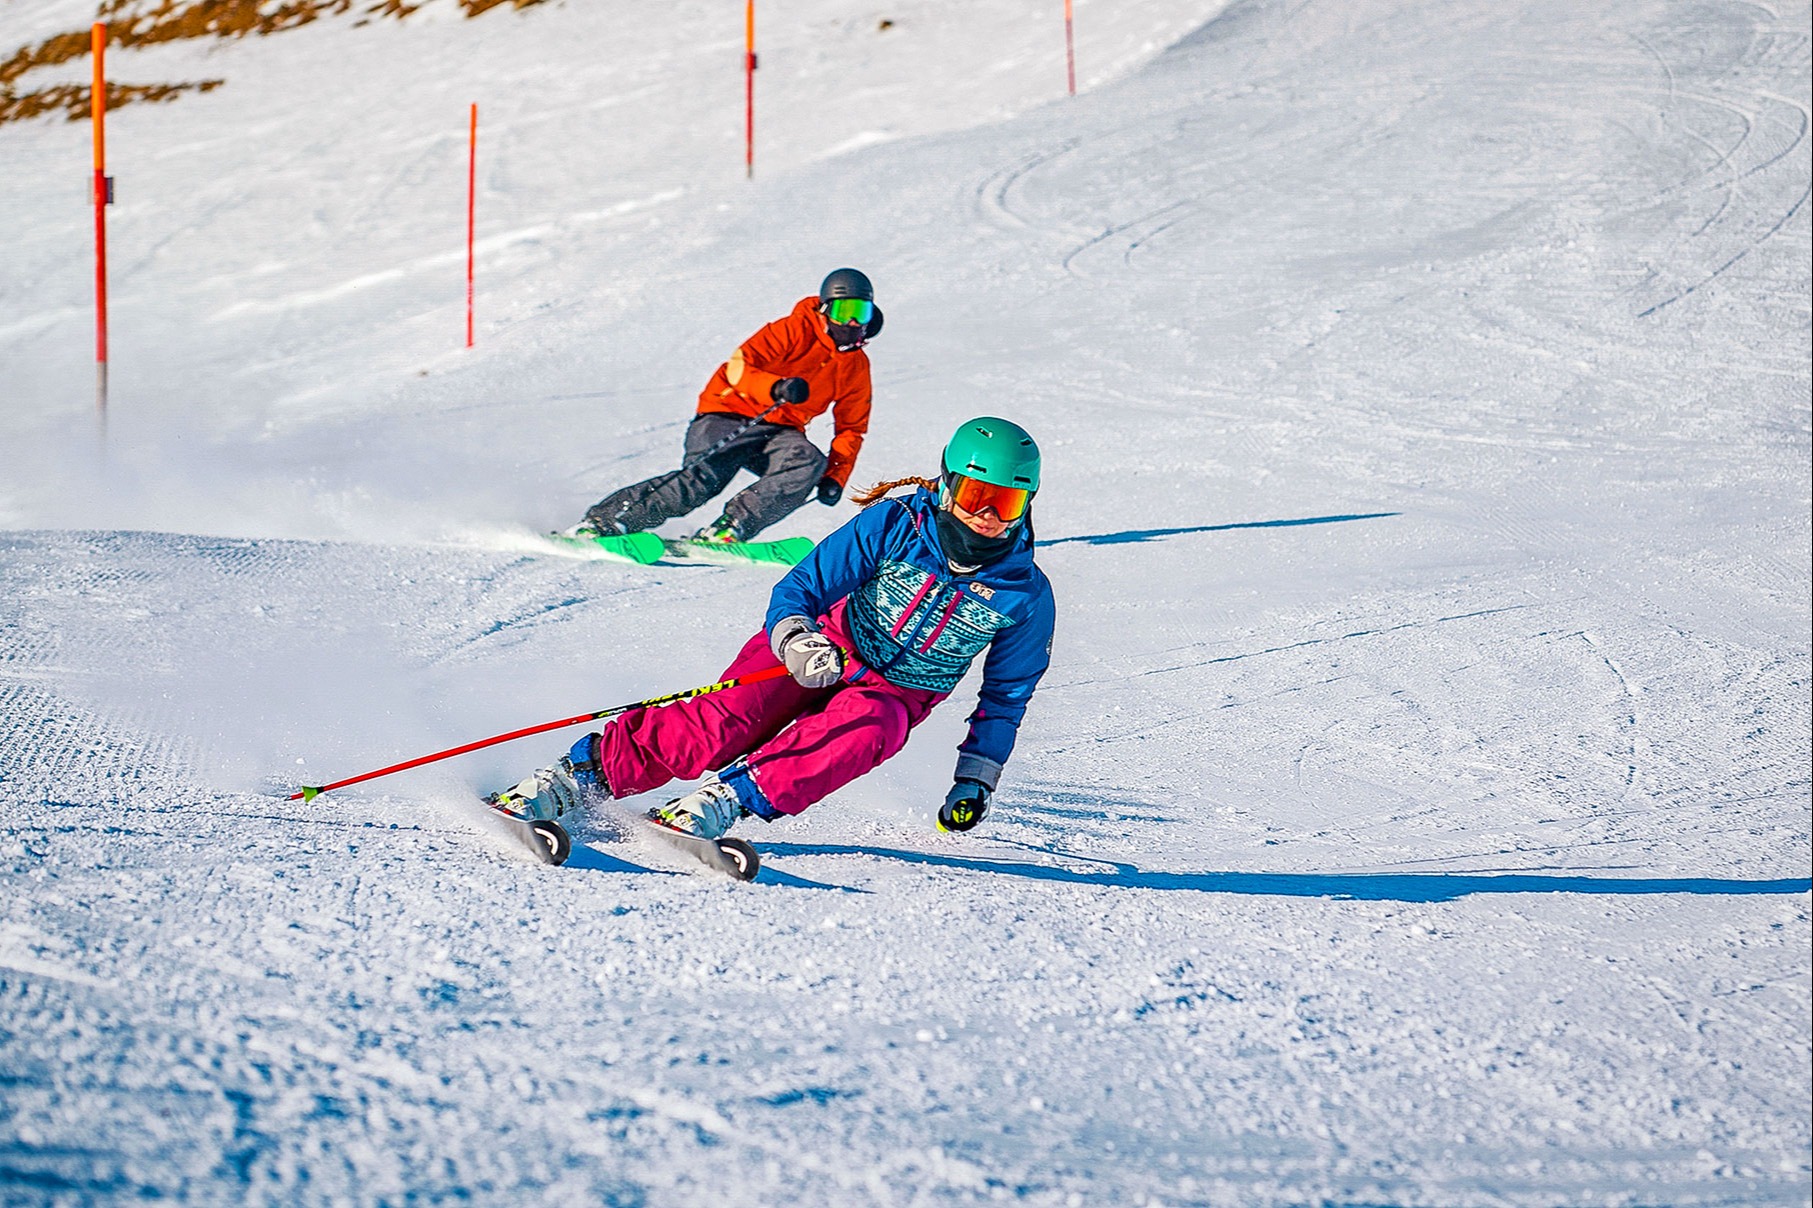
(918,630)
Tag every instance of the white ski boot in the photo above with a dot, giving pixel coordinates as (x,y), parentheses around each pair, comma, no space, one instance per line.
(543,795)
(705,813)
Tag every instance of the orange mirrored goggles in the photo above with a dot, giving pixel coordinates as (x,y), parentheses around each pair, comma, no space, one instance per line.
(974,496)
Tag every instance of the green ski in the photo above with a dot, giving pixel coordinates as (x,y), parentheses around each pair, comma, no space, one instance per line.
(642,548)
(785,552)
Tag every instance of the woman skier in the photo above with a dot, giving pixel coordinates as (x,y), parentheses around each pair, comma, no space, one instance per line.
(875,627)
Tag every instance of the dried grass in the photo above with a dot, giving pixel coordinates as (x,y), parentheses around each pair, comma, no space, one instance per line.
(147,22)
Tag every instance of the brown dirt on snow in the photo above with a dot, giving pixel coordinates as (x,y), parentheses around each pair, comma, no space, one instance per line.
(147,22)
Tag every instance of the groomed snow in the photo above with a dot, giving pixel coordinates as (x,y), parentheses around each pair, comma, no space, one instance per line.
(1417,810)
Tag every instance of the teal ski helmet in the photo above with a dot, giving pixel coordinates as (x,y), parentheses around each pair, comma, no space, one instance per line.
(994,450)
(989,464)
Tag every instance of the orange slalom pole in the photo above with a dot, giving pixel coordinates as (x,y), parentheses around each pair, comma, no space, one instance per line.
(1069,48)
(471,212)
(310,792)
(103,189)
(749,89)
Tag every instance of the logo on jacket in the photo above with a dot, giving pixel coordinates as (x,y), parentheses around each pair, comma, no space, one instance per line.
(983,590)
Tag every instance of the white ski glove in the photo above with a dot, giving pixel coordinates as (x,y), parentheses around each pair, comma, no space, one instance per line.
(812,659)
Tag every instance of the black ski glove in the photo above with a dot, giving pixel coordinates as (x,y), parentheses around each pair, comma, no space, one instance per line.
(829,491)
(964,805)
(790,390)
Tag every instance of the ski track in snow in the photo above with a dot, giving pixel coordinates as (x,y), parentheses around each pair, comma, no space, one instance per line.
(1417,808)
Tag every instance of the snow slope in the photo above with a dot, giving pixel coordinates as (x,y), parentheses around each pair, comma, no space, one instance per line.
(1417,810)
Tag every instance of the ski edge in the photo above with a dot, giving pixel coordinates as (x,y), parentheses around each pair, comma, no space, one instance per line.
(742,865)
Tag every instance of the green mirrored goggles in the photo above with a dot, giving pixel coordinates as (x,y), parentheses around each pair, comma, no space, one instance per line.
(849,310)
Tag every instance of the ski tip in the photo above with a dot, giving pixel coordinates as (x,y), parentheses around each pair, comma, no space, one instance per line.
(643,548)
(741,860)
(557,845)
(306,793)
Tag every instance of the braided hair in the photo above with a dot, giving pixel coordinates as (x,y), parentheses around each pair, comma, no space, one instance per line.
(879,491)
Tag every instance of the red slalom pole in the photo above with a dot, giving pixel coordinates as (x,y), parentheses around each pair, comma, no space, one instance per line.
(103,194)
(1069,48)
(749,89)
(310,792)
(471,211)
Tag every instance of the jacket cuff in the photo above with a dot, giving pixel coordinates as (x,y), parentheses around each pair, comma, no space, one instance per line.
(785,630)
(982,770)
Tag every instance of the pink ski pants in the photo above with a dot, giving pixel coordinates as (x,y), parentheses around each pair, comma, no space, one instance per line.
(803,744)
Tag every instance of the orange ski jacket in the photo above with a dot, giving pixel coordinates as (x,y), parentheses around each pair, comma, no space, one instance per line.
(798,346)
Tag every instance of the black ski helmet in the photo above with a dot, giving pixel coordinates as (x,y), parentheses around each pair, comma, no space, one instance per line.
(846,283)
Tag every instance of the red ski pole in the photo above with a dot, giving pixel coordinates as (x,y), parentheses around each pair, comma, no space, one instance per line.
(310,792)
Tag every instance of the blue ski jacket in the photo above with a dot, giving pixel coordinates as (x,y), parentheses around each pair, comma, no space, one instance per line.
(916,623)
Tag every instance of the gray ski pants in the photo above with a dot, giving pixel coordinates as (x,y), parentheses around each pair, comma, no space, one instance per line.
(787,467)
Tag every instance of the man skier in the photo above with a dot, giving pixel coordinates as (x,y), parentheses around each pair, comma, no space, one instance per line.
(753,415)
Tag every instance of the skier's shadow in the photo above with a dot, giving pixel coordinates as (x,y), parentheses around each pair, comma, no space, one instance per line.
(1363,887)
(1132,535)
(590,858)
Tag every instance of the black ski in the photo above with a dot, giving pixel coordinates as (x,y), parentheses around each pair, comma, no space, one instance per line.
(732,857)
(546,838)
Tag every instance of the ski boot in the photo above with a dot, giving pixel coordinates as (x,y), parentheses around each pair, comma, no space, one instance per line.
(537,801)
(547,793)
(722,531)
(544,794)
(696,824)
(705,813)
